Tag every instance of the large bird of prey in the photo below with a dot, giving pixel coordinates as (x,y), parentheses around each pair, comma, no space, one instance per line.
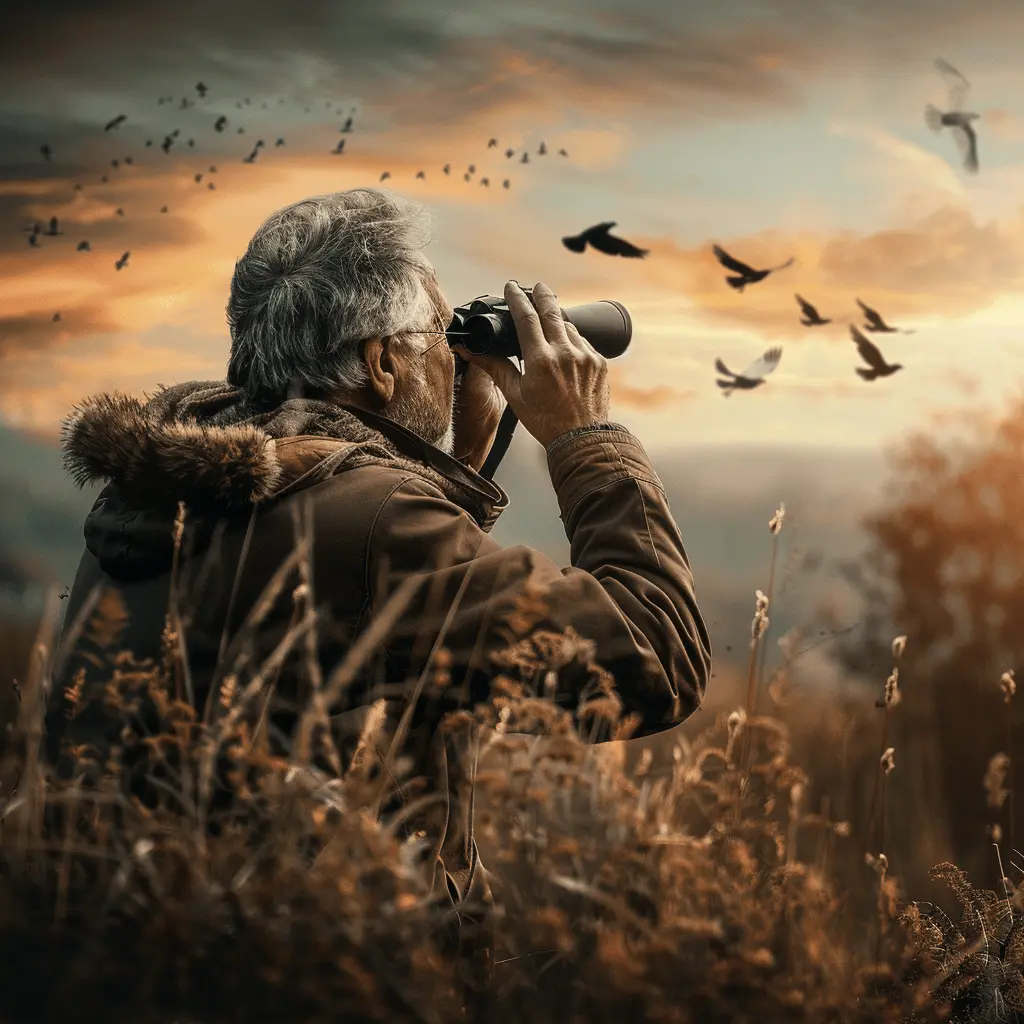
(116,123)
(878,367)
(598,238)
(956,119)
(745,274)
(753,376)
(811,317)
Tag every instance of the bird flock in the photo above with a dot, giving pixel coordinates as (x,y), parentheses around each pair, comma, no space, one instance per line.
(742,274)
(202,104)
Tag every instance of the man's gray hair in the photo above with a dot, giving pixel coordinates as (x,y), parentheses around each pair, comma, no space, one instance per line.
(319,277)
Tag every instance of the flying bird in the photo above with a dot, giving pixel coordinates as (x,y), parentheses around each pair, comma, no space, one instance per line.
(471,168)
(116,123)
(46,151)
(149,142)
(467,176)
(83,247)
(120,211)
(876,323)
(746,275)
(339,147)
(956,119)
(115,164)
(525,159)
(870,354)
(213,168)
(753,376)
(385,176)
(166,144)
(56,317)
(128,160)
(491,143)
(542,150)
(447,168)
(811,317)
(103,180)
(509,153)
(599,238)
(562,152)
(122,261)
(199,178)
(347,126)
(505,183)
(33,239)
(220,124)
(201,89)
(420,174)
(163,209)
(280,142)
(191,142)
(211,186)
(53,229)
(485,181)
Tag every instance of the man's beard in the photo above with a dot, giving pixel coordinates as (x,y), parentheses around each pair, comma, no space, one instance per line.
(417,412)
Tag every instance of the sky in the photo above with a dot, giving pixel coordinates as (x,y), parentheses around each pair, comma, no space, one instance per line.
(793,128)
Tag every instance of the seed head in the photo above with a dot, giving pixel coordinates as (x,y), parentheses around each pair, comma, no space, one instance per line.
(898,646)
(888,760)
(1008,685)
(775,523)
(892,689)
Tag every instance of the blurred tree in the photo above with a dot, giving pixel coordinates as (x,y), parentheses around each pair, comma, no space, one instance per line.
(945,569)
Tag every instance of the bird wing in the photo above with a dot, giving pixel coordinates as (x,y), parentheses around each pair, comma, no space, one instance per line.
(871,315)
(809,310)
(967,141)
(722,368)
(730,263)
(764,365)
(868,351)
(958,85)
(615,246)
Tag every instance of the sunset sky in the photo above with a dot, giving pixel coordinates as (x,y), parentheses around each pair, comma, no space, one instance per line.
(792,128)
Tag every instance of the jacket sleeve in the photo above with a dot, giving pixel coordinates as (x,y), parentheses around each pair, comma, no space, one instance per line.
(629,588)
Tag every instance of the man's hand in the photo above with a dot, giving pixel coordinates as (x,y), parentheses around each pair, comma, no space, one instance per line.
(564,384)
(478,408)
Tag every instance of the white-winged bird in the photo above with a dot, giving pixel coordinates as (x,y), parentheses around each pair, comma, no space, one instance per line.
(753,376)
(599,238)
(870,354)
(745,274)
(811,317)
(955,118)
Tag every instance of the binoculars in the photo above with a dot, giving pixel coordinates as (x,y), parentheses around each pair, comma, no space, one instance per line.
(485,327)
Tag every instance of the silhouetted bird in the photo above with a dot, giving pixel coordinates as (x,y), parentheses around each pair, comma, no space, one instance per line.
(420,174)
(870,354)
(542,150)
(875,322)
(120,212)
(471,168)
(83,247)
(811,317)
(220,124)
(122,261)
(447,168)
(192,142)
(199,178)
(34,228)
(467,176)
(491,143)
(163,209)
(525,159)
(201,89)
(485,181)
(753,376)
(53,229)
(956,119)
(505,183)
(747,275)
(46,151)
(149,142)
(241,131)
(103,180)
(509,153)
(33,239)
(385,176)
(339,147)
(116,123)
(251,158)
(211,186)
(347,126)
(56,317)
(280,142)
(78,188)
(166,144)
(562,152)
(175,133)
(600,239)
(115,164)
(128,160)
(260,143)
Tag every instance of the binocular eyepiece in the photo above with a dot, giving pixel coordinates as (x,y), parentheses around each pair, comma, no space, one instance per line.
(485,327)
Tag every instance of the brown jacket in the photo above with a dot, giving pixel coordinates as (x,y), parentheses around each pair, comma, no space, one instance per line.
(376,520)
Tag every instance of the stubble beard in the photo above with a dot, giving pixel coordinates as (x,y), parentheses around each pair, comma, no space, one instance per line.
(417,412)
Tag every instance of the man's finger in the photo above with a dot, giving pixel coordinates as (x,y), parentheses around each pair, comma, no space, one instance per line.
(550,313)
(529,330)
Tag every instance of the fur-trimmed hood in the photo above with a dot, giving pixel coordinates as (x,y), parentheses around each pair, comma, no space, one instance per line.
(204,444)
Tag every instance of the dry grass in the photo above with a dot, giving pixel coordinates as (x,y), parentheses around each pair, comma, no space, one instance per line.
(196,877)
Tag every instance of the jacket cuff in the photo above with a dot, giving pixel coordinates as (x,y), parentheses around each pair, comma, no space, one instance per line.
(585,460)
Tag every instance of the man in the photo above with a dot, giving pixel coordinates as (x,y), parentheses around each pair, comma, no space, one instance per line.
(341,395)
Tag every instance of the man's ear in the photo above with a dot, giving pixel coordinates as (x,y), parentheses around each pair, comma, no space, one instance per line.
(378,355)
